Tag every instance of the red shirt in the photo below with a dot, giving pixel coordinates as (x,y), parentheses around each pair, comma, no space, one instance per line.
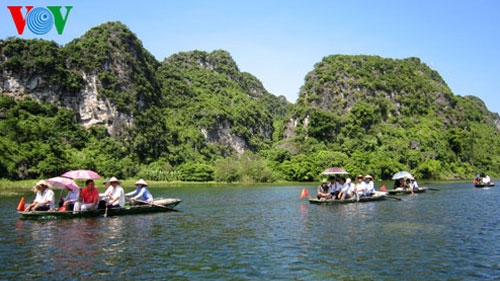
(90,197)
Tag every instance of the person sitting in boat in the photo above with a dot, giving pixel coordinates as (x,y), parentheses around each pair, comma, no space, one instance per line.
(341,184)
(114,195)
(141,193)
(106,184)
(68,202)
(370,186)
(324,191)
(360,188)
(334,186)
(414,184)
(88,199)
(399,183)
(408,184)
(44,199)
(478,179)
(347,190)
(486,179)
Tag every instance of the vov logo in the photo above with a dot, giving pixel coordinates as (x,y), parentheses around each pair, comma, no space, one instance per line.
(39,20)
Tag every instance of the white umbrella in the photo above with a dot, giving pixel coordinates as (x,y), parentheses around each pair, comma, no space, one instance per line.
(402,175)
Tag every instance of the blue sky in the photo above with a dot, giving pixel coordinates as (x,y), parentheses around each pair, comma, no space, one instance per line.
(280,41)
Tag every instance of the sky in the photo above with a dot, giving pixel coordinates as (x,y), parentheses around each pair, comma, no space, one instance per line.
(279,41)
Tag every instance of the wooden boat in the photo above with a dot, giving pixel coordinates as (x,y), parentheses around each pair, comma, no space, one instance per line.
(377,196)
(159,205)
(481,185)
(401,191)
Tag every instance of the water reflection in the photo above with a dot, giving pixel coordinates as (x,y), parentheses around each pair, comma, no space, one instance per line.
(241,233)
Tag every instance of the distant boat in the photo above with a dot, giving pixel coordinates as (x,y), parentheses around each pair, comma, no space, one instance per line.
(377,196)
(483,180)
(401,191)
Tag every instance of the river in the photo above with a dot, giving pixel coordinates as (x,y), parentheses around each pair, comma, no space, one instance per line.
(264,233)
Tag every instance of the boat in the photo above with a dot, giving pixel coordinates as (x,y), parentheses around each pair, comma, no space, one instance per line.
(483,180)
(377,196)
(401,191)
(481,185)
(159,205)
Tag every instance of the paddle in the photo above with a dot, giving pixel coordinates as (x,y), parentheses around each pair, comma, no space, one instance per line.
(156,205)
(106,211)
(433,189)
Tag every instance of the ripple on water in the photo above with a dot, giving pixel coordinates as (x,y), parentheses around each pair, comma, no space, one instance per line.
(266,233)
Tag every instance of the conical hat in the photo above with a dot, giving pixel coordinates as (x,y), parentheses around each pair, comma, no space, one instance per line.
(141,182)
(113,179)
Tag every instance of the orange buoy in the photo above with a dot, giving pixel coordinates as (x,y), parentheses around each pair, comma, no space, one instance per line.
(20,207)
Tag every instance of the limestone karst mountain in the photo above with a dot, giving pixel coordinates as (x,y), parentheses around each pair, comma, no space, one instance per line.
(104,102)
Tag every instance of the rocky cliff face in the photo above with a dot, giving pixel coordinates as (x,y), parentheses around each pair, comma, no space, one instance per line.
(109,79)
(76,76)
(230,107)
(92,109)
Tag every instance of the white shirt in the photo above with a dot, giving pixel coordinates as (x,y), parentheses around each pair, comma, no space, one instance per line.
(72,195)
(344,187)
(486,179)
(48,195)
(414,184)
(361,187)
(370,187)
(115,192)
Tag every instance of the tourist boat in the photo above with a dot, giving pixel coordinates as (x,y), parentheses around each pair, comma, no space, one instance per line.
(481,185)
(401,191)
(377,196)
(159,205)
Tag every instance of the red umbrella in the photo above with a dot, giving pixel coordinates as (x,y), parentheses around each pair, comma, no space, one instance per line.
(334,171)
(61,182)
(81,174)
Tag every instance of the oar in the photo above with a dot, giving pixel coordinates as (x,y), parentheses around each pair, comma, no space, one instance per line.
(156,205)
(433,189)
(106,211)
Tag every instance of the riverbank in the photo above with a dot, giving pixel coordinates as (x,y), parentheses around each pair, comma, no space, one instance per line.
(8,187)
(28,184)
(11,188)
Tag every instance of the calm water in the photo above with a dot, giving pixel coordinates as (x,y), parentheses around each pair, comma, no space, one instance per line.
(265,233)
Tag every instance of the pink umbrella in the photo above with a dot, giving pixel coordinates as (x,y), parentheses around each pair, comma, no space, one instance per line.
(335,171)
(81,174)
(61,182)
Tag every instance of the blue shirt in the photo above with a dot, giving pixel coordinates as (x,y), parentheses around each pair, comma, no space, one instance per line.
(141,193)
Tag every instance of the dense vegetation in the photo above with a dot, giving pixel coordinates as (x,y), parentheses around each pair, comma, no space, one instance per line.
(196,117)
(383,115)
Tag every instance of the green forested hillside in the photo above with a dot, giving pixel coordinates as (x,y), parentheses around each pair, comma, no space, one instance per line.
(103,102)
(383,115)
(169,120)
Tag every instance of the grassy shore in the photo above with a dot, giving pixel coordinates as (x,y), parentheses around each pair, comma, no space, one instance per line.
(14,188)
(18,187)
(129,183)
(29,184)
